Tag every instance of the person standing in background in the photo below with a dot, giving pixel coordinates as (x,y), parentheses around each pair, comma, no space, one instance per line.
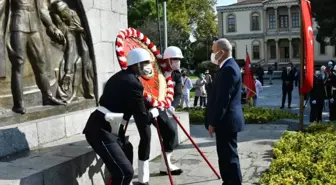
(259,89)
(208,84)
(260,73)
(200,92)
(270,74)
(317,98)
(186,87)
(288,78)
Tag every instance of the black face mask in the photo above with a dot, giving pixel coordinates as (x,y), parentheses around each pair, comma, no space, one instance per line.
(183,75)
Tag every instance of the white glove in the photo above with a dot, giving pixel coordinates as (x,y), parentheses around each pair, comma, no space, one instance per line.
(314,102)
(171,110)
(332,100)
(123,122)
(109,117)
(154,112)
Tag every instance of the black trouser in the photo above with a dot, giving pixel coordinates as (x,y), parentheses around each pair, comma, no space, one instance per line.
(284,94)
(177,100)
(109,148)
(332,111)
(202,101)
(316,111)
(228,159)
(167,132)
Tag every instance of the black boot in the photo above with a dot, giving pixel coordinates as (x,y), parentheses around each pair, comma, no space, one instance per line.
(19,107)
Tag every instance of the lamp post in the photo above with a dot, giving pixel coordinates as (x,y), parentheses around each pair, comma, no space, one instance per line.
(165,24)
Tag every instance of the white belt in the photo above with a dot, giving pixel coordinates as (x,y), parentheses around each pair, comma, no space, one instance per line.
(110,117)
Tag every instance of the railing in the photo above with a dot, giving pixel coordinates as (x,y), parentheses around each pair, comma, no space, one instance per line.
(283,29)
(261,62)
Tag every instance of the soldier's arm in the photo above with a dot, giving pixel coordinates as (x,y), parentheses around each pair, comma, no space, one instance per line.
(46,19)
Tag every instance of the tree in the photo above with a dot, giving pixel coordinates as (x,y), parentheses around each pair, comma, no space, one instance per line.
(324,13)
(185,18)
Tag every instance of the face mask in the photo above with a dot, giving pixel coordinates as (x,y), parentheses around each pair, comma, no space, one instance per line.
(146,71)
(317,73)
(213,58)
(175,64)
(330,64)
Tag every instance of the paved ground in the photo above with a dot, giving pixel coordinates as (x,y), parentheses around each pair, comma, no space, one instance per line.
(255,148)
(255,151)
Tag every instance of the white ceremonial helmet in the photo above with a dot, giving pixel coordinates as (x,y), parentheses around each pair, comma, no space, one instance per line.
(172,52)
(138,55)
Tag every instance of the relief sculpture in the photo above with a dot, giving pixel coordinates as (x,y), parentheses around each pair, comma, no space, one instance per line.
(75,71)
(33,30)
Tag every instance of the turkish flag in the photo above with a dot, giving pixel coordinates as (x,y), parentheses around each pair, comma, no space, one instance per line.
(248,80)
(308,42)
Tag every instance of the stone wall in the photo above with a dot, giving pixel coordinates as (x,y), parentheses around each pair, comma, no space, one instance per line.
(106,18)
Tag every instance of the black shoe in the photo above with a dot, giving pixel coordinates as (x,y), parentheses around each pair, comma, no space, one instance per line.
(174,172)
(146,183)
(289,107)
(19,110)
(53,101)
(282,107)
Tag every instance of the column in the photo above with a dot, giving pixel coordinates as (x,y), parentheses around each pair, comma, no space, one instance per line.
(290,50)
(277,50)
(276,17)
(289,18)
(265,52)
(265,19)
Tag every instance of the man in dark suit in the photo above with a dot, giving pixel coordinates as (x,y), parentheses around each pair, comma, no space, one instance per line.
(224,115)
(288,78)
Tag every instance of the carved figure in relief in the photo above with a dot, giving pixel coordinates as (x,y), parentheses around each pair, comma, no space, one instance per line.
(76,69)
(25,18)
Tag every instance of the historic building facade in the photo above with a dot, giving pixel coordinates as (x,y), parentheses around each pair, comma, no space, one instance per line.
(269,30)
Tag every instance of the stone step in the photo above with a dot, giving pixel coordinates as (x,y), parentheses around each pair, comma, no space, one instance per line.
(66,161)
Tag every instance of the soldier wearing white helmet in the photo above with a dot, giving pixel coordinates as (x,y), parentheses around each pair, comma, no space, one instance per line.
(123,93)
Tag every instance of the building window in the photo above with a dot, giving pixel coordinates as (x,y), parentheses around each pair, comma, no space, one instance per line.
(322,49)
(273,51)
(296,49)
(234,52)
(283,21)
(271,21)
(255,22)
(256,52)
(295,19)
(334,51)
(231,23)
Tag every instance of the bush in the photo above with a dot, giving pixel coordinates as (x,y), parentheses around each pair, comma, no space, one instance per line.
(251,115)
(306,158)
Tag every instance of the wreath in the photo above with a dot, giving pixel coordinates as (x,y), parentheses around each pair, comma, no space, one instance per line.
(140,40)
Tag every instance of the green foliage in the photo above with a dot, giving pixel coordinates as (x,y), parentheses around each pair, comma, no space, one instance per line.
(304,158)
(251,115)
(185,18)
(324,13)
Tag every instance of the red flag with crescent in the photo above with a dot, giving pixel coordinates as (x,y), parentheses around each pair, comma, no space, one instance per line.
(308,42)
(159,90)
(248,80)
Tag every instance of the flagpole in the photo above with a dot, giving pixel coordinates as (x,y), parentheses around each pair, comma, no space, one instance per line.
(301,73)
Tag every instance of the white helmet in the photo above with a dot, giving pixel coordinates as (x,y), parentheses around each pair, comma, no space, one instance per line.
(172,52)
(138,55)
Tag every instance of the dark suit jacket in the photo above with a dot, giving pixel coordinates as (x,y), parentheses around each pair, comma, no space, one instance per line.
(224,110)
(290,77)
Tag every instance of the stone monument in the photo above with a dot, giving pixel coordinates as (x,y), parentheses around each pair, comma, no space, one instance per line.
(54,37)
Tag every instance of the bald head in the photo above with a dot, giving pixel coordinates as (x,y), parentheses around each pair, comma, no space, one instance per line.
(222,49)
(224,44)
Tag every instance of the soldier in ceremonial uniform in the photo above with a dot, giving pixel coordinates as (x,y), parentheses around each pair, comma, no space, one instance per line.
(173,55)
(288,78)
(317,96)
(123,93)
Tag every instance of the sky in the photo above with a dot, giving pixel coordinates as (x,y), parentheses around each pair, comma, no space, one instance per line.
(225,2)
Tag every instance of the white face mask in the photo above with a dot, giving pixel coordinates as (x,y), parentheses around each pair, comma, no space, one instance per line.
(175,64)
(146,71)
(213,58)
